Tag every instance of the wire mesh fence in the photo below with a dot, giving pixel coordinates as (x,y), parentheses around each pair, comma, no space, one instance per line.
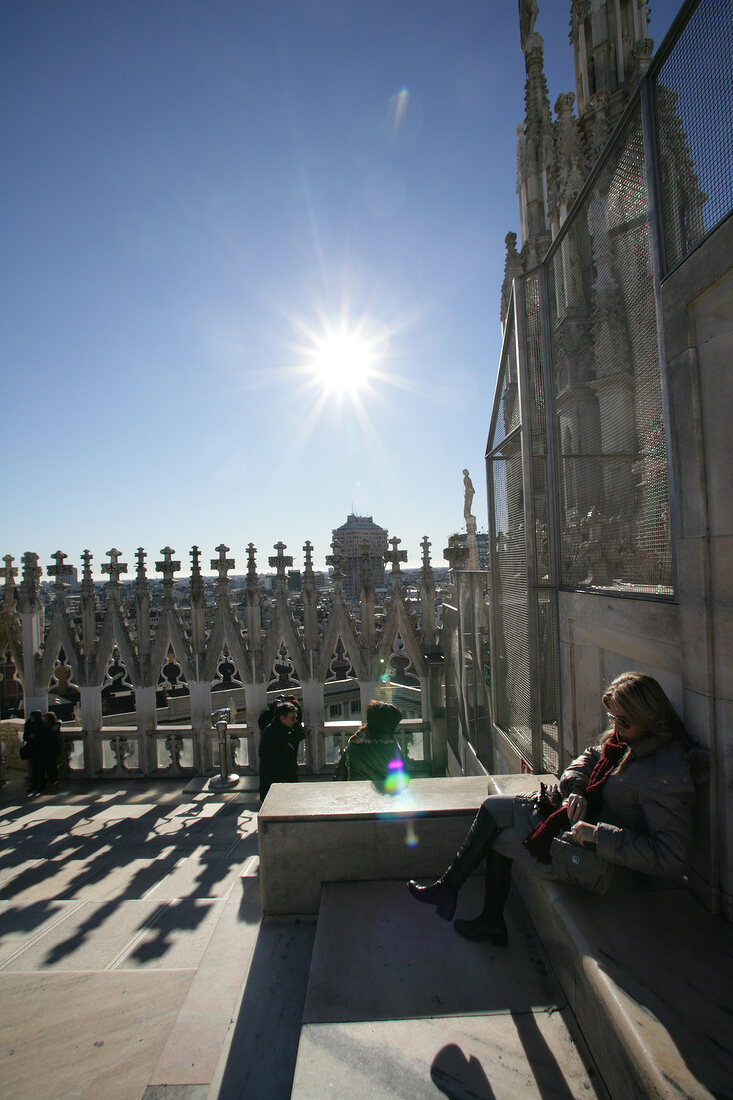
(693,106)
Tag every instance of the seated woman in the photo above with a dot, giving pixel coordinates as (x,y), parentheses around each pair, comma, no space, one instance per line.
(373,752)
(631,797)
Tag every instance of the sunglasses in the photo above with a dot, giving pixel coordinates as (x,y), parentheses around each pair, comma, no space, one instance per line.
(624,723)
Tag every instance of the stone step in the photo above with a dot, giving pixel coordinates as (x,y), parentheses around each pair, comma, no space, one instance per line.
(398,1005)
(648,975)
(312,834)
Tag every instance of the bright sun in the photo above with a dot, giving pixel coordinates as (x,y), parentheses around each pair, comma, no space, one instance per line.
(342,362)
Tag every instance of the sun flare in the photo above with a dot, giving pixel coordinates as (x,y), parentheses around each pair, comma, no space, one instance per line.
(345,370)
(342,362)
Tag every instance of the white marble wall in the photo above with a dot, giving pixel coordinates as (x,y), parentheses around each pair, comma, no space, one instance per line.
(686,644)
(697,305)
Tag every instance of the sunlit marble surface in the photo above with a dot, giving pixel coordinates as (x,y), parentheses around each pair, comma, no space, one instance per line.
(399,1005)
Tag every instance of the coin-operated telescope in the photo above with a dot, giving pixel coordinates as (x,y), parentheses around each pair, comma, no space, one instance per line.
(226,779)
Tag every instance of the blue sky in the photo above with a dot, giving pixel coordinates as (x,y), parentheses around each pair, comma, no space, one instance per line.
(196,196)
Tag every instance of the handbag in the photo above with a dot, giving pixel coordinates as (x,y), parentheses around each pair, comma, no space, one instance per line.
(24,750)
(580,866)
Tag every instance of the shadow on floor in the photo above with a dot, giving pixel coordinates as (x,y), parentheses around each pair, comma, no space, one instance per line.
(264,1047)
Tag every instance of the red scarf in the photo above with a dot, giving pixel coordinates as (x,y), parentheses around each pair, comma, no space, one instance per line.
(539,842)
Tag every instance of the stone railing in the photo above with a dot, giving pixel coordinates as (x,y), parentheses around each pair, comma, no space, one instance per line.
(197,655)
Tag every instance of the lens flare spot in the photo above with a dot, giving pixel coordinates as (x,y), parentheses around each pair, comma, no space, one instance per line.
(398,110)
(398,780)
(411,838)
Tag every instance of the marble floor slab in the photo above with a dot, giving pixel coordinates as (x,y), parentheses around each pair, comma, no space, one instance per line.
(122,935)
(398,1005)
(23,925)
(14,867)
(258,1057)
(205,873)
(194,1045)
(379,955)
(85,1036)
(57,878)
(509,1056)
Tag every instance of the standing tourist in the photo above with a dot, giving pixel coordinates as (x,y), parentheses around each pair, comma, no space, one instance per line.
(33,749)
(279,744)
(52,747)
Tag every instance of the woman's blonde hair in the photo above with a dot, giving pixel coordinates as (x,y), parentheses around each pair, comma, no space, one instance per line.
(646,704)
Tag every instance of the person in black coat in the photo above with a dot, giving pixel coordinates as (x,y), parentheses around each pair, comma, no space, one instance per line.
(34,742)
(51,747)
(279,748)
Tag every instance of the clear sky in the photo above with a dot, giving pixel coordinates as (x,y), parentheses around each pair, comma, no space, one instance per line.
(204,206)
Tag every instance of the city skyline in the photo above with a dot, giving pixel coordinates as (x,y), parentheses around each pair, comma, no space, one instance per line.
(253,257)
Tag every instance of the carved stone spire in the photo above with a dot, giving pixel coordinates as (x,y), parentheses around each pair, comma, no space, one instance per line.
(611,52)
(88,612)
(597,124)
(537,153)
(115,568)
(394,557)
(29,586)
(222,565)
(254,623)
(87,583)
(571,168)
(367,581)
(142,590)
(337,562)
(8,573)
(367,599)
(142,607)
(62,573)
(279,562)
(252,580)
(309,577)
(197,581)
(512,268)
(310,599)
(168,568)
(427,594)
(427,569)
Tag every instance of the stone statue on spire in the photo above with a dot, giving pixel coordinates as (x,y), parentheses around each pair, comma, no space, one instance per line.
(468,500)
(471,540)
(528,10)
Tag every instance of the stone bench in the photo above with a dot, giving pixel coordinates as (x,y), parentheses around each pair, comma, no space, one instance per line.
(646,971)
(648,977)
(311,833)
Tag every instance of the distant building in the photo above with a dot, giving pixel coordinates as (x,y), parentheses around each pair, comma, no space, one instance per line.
(352,536)
(295,580)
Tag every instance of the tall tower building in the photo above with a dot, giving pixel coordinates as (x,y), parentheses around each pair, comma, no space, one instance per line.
(611,53)
(357,537)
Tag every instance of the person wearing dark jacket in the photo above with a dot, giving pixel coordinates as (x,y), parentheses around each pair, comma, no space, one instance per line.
(279,748)
(373,752)
(630,797)
(34,741)
(51,747)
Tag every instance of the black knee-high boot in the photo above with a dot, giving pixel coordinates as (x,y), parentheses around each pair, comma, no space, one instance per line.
(489,924)
(443,893)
